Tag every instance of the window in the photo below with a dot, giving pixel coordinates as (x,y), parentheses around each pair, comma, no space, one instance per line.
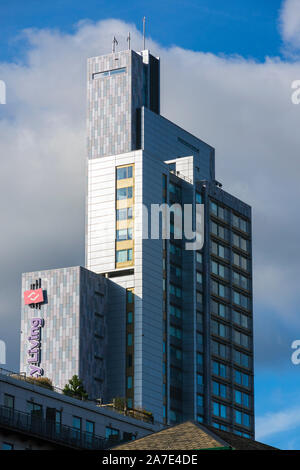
(218,230)
(242,434)
(124,193)
(219,329)
(76,424)
(200,379)
(129,296)
(240,261)
(239,223)
(241,319)
(200,419)
(109,73)
(219,250)
(220,426)
(175,250)
(219,369)
(218,269)
(175,416)
(90,427)
(220,349)
(7,446)
(175,190)
(214,208)
(124,234)
(129,382)
(176,332)
(176,374)
(241,418)
(241,338)
(199,257)
(240,280)
(219,309)
(219,410)
(218,210)
(220,389)
(242,398)
(199,339)
(58,420)
(175,290)
(129,339)
(199,298)
(239,242)
(218,289)
(111,433)
(199,277)
(199,359)
(124,214)
(35,409)
(198,198)
(176,353)
(124,172)
(9,401)
(128,436)
(124,255)
(242,359)
(176,271)
(241,378)
(200,401)
(175,311)
(199,320)
(129,317)
(241,300)
(129,360)
(129,403)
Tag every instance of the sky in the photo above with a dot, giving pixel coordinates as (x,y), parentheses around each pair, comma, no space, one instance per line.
(226,75)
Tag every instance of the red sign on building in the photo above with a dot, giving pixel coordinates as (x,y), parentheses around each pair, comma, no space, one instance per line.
(34,296)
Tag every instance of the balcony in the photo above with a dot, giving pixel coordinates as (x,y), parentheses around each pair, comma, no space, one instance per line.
(59,434)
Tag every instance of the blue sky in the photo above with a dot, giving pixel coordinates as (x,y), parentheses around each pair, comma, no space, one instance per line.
(240,106)
(249,28)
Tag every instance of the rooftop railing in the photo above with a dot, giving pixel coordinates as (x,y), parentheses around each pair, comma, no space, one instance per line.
(140,415)
(181,176)
(35,425)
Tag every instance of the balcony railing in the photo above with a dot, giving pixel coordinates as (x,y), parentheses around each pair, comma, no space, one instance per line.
(181,176)
(140,415)
(36,426)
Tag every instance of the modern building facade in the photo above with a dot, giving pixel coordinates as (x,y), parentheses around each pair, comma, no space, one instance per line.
(180,333)
(150,319)
(73,335)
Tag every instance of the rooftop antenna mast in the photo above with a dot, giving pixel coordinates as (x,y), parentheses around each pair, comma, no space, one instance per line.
(144,36)
(128,40)
(114,44)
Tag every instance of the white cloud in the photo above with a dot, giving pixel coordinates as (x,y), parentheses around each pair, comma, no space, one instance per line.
(241,107)
(274,423)
(290,22)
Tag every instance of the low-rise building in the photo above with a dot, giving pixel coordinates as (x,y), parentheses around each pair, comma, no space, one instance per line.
(35,417)
(193,436)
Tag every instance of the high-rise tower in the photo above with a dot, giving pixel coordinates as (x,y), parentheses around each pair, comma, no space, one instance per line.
(179,322)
